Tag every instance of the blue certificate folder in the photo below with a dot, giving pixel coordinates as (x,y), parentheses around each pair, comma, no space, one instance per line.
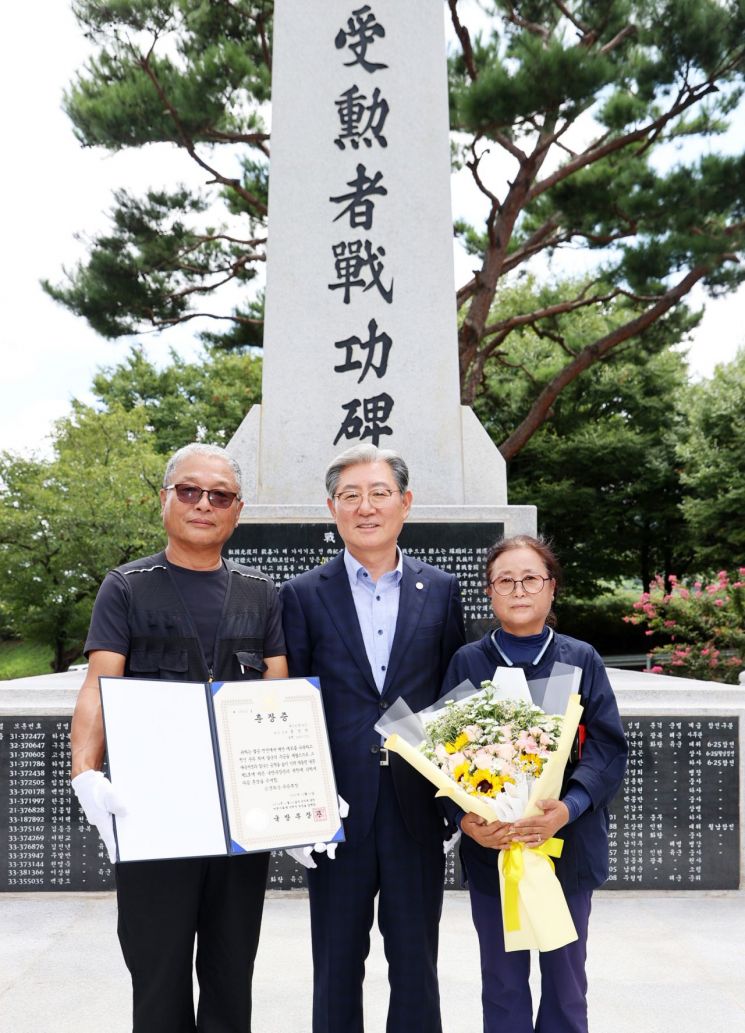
(221,768)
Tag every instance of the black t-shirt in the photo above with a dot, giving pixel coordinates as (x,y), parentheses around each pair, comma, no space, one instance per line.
(203,594)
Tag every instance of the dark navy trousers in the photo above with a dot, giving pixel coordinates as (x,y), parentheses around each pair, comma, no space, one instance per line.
(408,878)
(505,990)
(164,906)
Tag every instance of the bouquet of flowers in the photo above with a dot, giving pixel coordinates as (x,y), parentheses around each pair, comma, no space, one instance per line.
(497,757)
(493,748)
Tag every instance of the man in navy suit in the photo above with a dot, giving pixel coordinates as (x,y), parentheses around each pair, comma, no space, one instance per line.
(374,625)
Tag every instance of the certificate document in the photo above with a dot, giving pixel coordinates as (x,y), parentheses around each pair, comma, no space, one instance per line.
(279,782)
(220,768)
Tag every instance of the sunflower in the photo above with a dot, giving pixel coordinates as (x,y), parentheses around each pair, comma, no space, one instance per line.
(531,764)
(485,782)
(460,742)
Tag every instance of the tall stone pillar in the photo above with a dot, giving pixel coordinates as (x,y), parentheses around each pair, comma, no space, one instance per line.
(361,339)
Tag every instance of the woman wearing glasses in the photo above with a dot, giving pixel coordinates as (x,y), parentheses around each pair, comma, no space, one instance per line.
(522,576)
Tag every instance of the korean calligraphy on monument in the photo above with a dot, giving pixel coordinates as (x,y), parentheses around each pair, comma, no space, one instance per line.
(360,342)
(360,262)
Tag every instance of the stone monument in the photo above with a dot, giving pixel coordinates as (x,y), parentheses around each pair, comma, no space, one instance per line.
(361,337)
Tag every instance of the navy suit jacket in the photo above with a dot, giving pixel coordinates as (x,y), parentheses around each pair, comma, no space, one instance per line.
(323,638)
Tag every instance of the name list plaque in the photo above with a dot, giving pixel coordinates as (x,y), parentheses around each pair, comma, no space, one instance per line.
(675,824)
(284,550)
(50,845)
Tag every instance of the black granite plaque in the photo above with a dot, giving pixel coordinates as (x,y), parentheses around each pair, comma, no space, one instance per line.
(675,824)
(284,550)
(50,845)
(287,874)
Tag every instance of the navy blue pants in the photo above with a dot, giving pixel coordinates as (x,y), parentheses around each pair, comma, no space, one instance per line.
(505,990)
(408,879)
(164,906)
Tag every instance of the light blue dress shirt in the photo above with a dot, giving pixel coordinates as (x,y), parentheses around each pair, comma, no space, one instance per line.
(377,611)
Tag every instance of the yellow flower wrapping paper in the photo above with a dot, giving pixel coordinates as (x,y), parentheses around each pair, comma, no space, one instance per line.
(544,920)
(533,898)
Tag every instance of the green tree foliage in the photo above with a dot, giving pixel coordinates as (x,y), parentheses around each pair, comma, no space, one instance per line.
(712,456)
(584,103)
(203,400)
(64,522)
(603,469)
(590,111)
(193,75)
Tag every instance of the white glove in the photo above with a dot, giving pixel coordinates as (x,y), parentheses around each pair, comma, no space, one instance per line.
(450,844)
(99,801)
(301,854)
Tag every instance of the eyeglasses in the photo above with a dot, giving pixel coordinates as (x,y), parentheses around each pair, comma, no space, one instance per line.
(191,494)
(532,584)
(378,498)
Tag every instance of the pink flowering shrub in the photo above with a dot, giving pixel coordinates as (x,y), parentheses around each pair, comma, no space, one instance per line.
(703,625)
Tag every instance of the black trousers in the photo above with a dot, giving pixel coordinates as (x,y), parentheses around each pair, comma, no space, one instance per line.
(164,906)
(407,878)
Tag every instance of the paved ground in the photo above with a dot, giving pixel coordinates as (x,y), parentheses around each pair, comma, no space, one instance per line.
(658,964)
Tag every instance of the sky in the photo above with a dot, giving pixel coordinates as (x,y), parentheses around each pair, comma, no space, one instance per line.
(54,189)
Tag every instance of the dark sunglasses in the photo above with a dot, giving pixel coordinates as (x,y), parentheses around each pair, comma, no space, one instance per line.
(190,494)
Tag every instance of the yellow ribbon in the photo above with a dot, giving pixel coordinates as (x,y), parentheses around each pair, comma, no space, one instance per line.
(513,869)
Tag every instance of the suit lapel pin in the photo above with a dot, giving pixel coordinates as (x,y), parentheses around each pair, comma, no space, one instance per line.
(419,585)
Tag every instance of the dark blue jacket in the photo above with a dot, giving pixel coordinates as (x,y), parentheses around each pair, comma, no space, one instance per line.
(584,860)
(324,639)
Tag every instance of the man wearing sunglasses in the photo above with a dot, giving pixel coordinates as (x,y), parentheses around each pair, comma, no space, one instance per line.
(374,625)
(184,614)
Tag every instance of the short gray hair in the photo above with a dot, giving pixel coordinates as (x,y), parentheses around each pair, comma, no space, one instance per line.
(198,449)
(366,454)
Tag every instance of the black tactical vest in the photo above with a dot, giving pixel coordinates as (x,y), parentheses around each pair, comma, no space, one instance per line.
(164,642)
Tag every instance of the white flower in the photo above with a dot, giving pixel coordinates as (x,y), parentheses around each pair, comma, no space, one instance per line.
(484,759)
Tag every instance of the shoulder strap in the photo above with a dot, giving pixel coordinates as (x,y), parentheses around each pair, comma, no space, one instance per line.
(143,566)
